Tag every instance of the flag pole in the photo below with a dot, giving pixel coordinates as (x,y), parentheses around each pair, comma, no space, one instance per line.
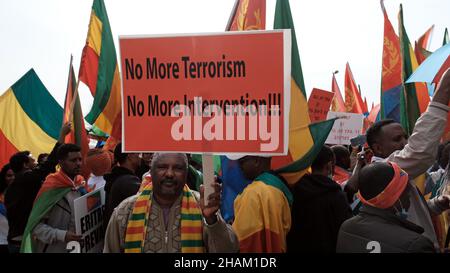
(72,103)
(233,14)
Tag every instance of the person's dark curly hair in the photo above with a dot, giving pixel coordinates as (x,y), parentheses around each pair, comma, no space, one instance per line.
(3,184)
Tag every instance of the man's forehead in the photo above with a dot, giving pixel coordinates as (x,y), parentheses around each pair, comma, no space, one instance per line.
(166,157)
(393,128)
(71,155)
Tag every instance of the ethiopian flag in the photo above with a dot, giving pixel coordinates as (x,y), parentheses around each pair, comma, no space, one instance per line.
(72,111)
(415,97)
(100,72)
(54,188)
(305,139)
(421,46)
(30,118)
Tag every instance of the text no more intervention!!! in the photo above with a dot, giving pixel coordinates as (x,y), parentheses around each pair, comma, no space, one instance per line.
(222,122)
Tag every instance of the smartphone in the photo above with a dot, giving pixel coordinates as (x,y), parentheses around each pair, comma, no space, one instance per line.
(358,141)
(363,153)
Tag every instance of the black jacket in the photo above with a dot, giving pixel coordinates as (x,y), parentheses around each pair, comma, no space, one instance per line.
(318,210)
(120,184)
(20,195)
(143,168)
(390,234)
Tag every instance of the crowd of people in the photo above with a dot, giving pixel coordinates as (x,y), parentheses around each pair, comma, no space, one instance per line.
(354,199)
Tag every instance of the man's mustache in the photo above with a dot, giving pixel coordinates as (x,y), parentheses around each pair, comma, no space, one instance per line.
(168,181)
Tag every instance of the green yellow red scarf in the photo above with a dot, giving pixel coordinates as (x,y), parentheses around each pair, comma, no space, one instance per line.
(191,223)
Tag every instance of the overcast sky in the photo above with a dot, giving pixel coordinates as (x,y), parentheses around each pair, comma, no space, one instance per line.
(42,34)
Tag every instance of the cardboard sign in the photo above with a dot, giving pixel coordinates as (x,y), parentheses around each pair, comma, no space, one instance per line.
(345,128)
(319,104)
(89,220)
(206,93)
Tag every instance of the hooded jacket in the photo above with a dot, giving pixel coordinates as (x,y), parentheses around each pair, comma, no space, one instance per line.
(120,184)
(381,231)
(318,210)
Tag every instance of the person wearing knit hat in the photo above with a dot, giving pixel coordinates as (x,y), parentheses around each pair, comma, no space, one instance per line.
(382,225)
(99,163)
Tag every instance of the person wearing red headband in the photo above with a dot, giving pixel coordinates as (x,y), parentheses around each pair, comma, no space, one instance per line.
(382,225)
(416,154)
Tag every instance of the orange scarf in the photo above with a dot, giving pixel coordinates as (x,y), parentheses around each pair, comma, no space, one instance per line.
(60,180)
(340,175)
(392,192)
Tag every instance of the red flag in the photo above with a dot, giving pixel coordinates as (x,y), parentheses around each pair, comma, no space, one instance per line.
(116,135)
(337,105)
(421,48)
(248,15)
(72,112)
(373,113)
(366,109)
(391,75)
(353,100)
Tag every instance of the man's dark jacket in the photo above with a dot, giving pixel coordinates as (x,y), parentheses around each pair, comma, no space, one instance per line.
(120,184)
(19,197)
(318,210)
(375,229)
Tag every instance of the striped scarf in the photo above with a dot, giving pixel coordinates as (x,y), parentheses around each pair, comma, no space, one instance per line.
(191,223)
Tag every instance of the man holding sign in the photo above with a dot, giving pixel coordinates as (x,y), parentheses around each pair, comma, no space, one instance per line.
(168,217)
(51,224)
(216,93)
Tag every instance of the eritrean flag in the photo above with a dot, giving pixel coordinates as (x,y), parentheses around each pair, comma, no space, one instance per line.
(30,118)
(246,15)
(353,100)
(100,72)
(338,104)
(391,72)
(305,139)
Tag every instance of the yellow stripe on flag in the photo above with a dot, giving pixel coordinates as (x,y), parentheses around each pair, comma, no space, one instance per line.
(94,38)
(103,123)
(31,136)
(113,106)
(300,140)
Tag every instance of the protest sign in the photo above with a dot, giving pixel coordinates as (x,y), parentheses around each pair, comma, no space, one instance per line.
(319,104)
(348,126)
(207,93)
(89,220)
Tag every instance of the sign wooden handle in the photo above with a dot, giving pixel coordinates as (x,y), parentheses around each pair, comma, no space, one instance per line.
(208,175)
